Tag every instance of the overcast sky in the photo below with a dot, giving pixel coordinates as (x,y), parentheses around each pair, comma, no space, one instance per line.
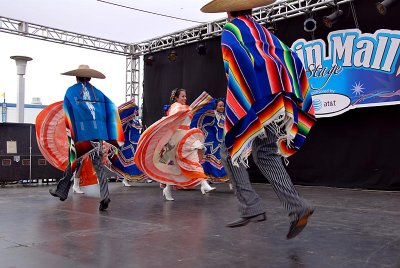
(90,17)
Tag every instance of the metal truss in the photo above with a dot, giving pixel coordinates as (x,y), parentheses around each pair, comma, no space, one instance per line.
(44,33)
(41,32)
(133,52)
(133,79)
(268,14)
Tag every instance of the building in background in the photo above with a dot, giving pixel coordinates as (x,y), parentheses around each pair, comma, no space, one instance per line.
(9,111)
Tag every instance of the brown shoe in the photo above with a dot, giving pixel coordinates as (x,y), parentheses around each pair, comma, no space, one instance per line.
(298,225)
(246,220)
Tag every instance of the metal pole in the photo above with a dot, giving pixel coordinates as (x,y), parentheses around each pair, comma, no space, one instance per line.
(21,62)
(30,153)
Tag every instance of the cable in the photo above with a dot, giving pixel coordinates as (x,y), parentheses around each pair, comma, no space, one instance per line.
(354,14)
(150,12)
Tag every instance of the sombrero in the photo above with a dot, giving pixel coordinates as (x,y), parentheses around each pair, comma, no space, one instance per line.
(85,71)
(233,5)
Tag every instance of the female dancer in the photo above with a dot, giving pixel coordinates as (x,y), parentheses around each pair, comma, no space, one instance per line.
(168,151)
(122,162)
(210,119)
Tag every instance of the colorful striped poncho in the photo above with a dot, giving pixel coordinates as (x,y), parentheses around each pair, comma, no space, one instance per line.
(89,116)
(267,87)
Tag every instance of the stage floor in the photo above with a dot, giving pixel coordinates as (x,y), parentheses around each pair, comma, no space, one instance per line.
(350,228)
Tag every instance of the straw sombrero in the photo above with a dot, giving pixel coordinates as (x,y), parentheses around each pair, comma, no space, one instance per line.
(233,5)
(85,71)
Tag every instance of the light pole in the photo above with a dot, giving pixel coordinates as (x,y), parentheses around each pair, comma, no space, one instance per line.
(21,62)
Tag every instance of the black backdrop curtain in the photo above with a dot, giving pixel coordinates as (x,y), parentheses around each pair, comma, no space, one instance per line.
(357,149)
(191,71)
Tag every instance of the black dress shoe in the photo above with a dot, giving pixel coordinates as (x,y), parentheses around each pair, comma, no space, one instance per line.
(298,225)
(246,220)
(104,204)
(54,193)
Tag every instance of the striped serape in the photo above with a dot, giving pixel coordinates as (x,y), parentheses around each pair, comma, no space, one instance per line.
(267,87)
(89,116)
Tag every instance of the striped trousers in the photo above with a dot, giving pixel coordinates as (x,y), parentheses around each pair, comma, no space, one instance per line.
(264,152)
(65,183)
(101,173)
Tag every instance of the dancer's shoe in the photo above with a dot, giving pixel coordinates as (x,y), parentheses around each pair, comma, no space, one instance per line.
(205,187)
(104,204)
(55,194)
(246,220)
(167,193)
(298,224)
(125,183)
(75,188)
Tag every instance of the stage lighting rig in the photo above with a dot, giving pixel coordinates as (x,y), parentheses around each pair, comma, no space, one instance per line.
(172,56)
(148,60)
(310,25)
(332,18)
(271,29)
(201,48)
(383,6)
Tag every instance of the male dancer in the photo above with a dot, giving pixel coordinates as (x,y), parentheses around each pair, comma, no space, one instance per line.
(90,118)
(268,110)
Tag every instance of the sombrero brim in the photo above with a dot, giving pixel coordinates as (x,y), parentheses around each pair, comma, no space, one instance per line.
(216,6)
(85,73)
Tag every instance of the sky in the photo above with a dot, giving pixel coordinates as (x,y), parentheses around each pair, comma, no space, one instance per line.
(90,17)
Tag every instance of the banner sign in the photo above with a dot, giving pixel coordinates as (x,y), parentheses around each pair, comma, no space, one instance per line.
(354,70)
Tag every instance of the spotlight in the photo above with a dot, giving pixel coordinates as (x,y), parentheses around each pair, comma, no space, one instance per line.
(149,60)
(172,55)
(310,25)
(332,18)
(201,49)
(271,29)
(383,6)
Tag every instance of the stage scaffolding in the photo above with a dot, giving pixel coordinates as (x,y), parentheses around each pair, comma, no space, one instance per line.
(134,52)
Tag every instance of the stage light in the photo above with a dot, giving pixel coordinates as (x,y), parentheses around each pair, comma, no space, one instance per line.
(383,6)
(310,25)
(172,55)
(271,29)
(149,60)
(201,49)
(332,18)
